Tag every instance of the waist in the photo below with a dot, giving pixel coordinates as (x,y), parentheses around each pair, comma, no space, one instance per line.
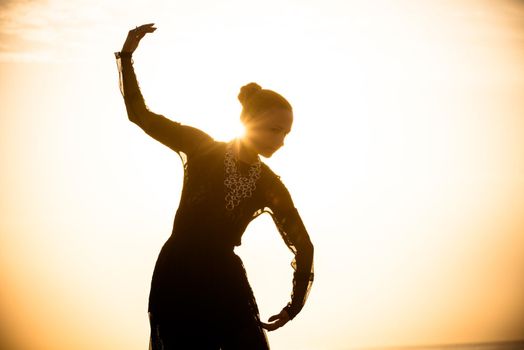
(185,245)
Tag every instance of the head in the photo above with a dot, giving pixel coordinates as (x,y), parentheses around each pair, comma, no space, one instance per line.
(267,117)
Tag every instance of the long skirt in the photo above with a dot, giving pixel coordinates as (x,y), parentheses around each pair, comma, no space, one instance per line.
(203,303)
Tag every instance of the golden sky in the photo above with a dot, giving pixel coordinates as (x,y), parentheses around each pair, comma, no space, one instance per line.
(406,162)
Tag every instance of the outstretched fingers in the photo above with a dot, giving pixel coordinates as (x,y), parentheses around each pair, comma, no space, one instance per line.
(135,35)
(142,30)
(145,28)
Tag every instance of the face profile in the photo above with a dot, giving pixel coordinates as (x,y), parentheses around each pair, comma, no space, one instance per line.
(265,133)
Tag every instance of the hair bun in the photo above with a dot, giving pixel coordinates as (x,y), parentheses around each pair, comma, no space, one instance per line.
(247,91)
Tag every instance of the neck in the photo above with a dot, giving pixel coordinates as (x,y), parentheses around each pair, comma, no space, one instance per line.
(244,152)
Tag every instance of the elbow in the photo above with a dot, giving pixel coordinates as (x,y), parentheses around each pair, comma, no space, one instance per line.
(138,117)
(133,118)
(306,252)
(308,247)
(309,251)
(305,247)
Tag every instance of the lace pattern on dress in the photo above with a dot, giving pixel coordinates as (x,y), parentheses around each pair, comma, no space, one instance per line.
(294,234)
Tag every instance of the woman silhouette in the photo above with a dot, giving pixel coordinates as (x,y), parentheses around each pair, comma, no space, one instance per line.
(200,297)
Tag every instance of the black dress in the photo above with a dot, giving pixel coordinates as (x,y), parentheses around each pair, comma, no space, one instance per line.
(200,297)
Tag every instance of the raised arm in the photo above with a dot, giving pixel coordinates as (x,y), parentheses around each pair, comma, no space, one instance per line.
(137,111)
(172,134)
(295,236)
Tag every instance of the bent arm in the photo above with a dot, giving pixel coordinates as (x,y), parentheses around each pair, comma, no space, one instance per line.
(137,111)
(173,134)
(296,238)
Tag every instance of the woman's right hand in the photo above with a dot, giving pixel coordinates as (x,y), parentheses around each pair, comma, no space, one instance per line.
(280,319)
(135,35)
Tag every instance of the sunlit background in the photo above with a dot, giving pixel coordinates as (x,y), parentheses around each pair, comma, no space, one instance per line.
(406,162)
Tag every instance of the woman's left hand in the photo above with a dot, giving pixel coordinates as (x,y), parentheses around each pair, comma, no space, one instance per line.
(281,319)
